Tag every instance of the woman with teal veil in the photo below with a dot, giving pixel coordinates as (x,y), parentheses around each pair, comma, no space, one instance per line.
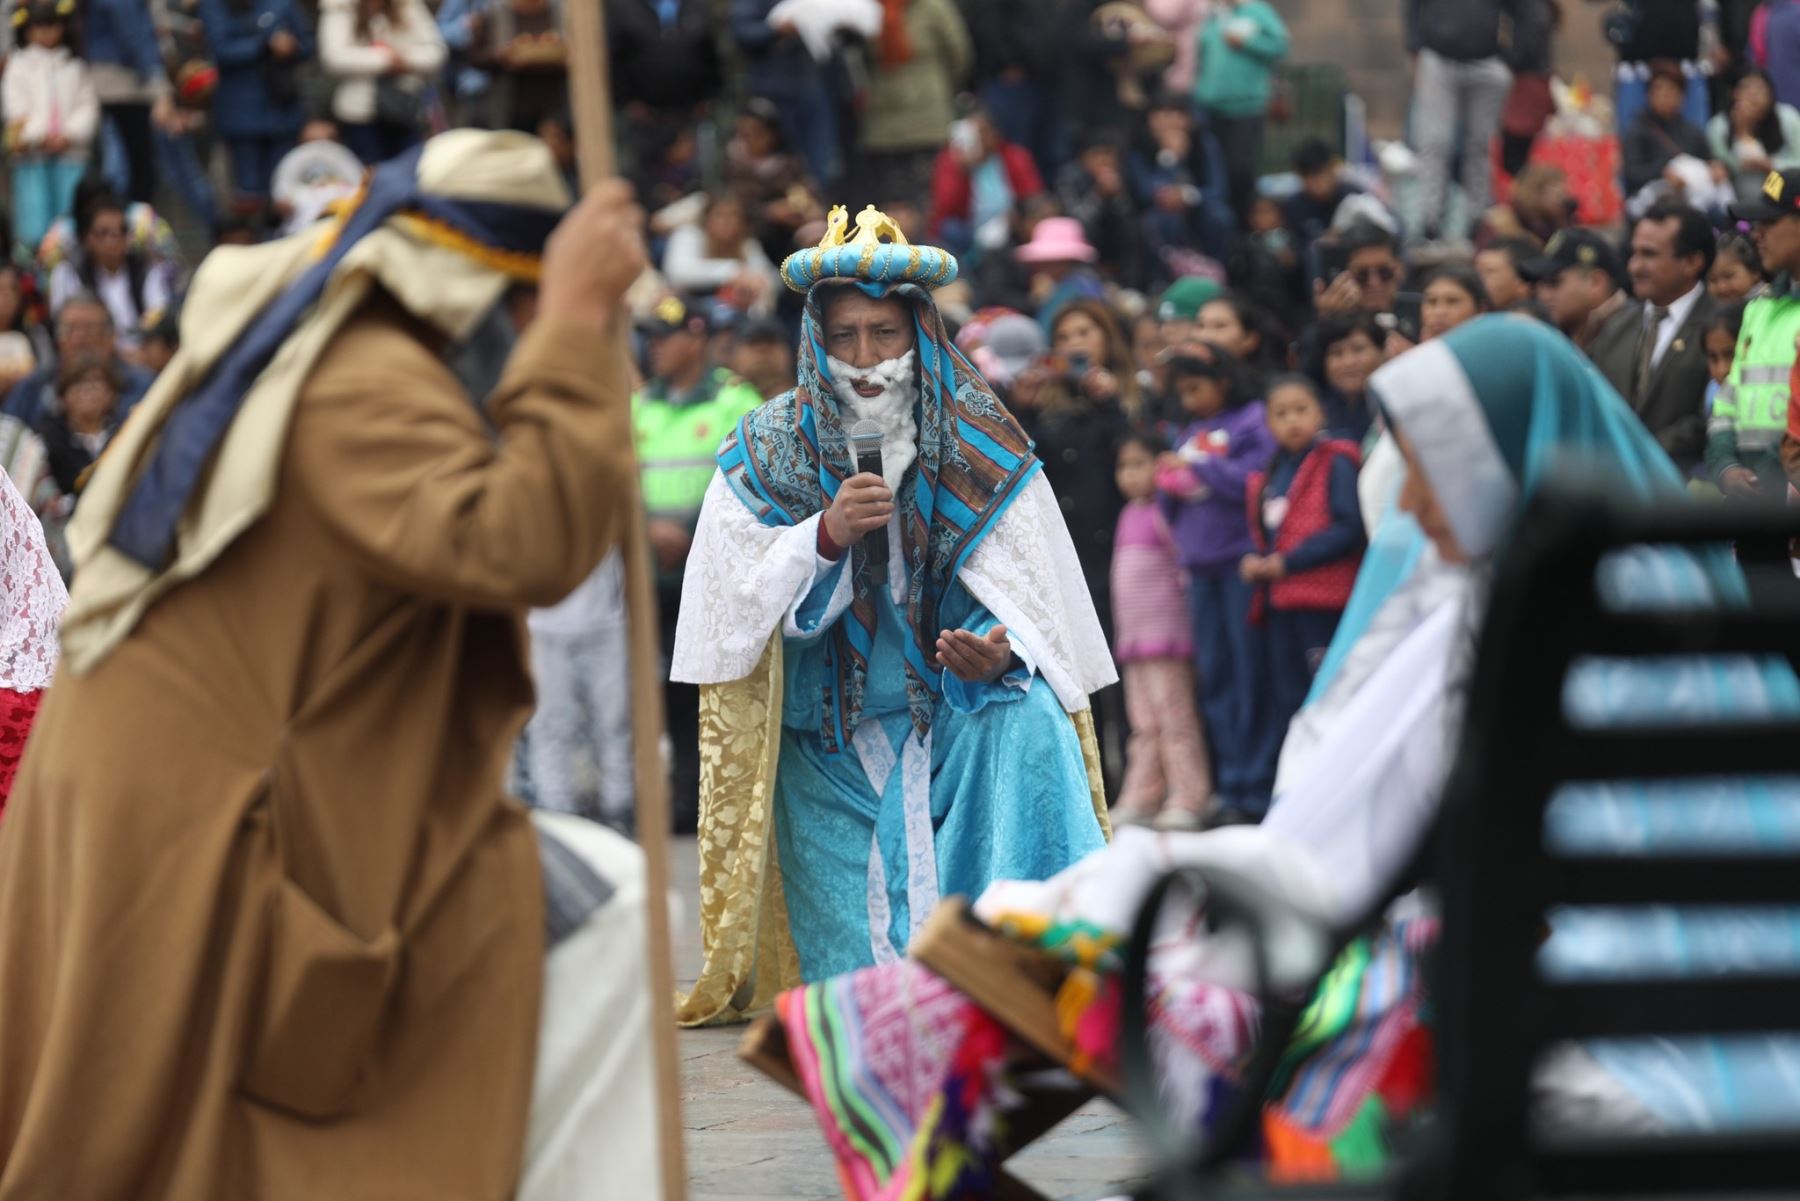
(1484,420)
(1484,415)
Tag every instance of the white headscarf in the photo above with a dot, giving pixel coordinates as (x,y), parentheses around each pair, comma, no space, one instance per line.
(447,283)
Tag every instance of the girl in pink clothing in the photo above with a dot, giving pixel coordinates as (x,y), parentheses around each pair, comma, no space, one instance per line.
(1166,775)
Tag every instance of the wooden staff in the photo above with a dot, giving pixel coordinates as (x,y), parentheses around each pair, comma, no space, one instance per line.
(591,108)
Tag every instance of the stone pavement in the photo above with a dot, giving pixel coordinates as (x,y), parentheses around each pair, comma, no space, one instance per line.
(749,1140)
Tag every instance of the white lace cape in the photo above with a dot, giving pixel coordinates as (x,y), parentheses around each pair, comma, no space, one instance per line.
(33,593)
(745,580)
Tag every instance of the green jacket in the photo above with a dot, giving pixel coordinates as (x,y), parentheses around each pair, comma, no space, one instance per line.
(678,440)
(910,106)
(1750,414)
(1239,81)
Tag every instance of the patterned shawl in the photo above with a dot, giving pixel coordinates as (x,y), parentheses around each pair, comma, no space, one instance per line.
(786,460)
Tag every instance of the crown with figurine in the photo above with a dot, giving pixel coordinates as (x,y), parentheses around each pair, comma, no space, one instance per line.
(876,253)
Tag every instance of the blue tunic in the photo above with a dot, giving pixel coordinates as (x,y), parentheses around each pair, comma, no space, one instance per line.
(998,790)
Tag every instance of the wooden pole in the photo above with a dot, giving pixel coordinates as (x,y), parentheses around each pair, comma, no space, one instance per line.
(591,107)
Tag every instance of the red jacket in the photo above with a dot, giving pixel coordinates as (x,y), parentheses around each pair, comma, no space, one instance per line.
(952,193)
(1328,585)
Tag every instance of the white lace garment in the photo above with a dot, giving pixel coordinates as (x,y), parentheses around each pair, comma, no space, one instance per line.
(34,597)
(746,579)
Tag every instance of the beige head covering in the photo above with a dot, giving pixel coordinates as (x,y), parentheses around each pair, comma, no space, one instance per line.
(442,279)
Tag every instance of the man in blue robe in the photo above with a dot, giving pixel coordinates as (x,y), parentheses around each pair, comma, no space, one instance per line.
(877,735)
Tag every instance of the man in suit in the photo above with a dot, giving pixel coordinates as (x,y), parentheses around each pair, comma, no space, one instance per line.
(1651,350)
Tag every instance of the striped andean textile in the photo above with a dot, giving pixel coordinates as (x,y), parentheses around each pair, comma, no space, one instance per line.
(906,1075)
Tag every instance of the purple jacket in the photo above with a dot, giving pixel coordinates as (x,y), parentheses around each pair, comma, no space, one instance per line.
(1210,532)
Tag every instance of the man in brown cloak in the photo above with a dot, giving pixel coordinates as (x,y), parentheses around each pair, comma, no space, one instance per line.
(269,928)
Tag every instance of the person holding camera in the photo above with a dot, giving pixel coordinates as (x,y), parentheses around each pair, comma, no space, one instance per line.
(1076,402)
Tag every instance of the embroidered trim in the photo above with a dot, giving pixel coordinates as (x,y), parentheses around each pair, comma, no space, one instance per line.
(526,268)
(921,842)
(878,762)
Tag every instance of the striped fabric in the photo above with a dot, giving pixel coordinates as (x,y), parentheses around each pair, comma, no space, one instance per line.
(896,1065)
(786,460)
(1361,1016)
(906,1075)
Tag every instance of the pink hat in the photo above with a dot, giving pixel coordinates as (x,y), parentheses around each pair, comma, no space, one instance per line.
(1057,240)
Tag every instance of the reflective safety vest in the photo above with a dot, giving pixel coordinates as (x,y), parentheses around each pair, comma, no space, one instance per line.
(678,440)
(1753,404)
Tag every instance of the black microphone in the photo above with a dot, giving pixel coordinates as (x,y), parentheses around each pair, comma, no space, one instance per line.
(865,441)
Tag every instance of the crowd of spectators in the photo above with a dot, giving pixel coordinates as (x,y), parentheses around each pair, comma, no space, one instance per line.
(1185,325)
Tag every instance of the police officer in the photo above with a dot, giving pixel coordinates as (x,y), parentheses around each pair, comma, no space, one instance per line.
(680,416)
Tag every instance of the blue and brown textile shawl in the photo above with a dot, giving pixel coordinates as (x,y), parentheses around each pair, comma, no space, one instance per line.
(786,460)
(145,529)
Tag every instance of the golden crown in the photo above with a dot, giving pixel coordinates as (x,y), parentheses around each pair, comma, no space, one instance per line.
(877,252)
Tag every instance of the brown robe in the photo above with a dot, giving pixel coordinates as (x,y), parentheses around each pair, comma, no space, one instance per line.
(269,928)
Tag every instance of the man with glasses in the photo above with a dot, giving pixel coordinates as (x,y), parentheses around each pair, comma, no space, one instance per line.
(83,326)
(1370,281)
(126,281)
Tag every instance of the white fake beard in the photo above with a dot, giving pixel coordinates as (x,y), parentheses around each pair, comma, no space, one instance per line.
(892,410)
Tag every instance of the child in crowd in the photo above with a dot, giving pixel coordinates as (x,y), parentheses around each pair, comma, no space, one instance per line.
(52,115)
(1166,776)
(1745,462)
(1202,486)
(1312,210)
(1719,340)
(79,427)
(1308,529)
(1737,272)
(1350,349)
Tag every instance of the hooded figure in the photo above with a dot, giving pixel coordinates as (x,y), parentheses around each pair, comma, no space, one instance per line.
(270,927)
(888,731)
